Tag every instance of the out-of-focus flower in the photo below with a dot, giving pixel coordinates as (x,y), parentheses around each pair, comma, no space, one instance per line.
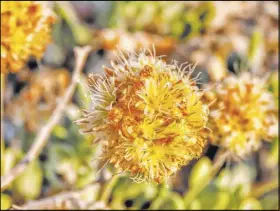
(25,31)
(36,101)
(149,116)
(126,41)
(225,43)
(243,113)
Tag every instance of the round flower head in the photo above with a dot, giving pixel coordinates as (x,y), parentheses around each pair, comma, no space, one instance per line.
(242,114)
(149,116)
(25,31)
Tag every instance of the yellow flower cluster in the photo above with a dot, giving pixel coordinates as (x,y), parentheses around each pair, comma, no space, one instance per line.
(148,115)
(243,113)
(25,31)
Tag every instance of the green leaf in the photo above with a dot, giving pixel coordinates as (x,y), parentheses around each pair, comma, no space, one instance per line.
(28,185)
(211,198)
(130,10)
(145,16)
(80,32)
(171,11)
(254,45)
(250,204)
(177,27)
(196,205)
(222,201)
(178,201)
(6,201)
(237,180)
(139,193)
(256,51)
(83,92)
(173,202)
(208,198)
(223,180)
(10,158)
(270,201)
(163,193)
(274,83)
(60,131)
(200,171)
(2,156)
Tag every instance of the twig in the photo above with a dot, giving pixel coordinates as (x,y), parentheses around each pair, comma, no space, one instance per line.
(43,135)
(15,207)
(57,200)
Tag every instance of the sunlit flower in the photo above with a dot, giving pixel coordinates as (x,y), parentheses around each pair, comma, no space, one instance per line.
(25,31)
(148,115)
(243,113)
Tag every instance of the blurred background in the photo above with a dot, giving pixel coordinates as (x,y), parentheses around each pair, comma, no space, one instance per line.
(221,37)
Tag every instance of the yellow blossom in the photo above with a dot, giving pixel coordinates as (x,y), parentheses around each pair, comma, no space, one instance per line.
(25,31)
(242,114)
(148,115)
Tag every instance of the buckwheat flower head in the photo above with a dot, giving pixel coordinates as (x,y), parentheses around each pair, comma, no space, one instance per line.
(148,115)
(242,114)
(25,31)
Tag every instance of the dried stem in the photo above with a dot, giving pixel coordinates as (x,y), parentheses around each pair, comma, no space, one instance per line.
(15,207)
(43,135)
(58,200)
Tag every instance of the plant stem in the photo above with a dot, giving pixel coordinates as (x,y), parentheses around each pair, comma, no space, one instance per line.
(42,136)
(2,103)
(52,202)
(80,32)
(260,189)
(190,196)
(107,189)
(2,121)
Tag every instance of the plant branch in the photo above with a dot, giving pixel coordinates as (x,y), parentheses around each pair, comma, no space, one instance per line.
(59,200)
(43,135)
